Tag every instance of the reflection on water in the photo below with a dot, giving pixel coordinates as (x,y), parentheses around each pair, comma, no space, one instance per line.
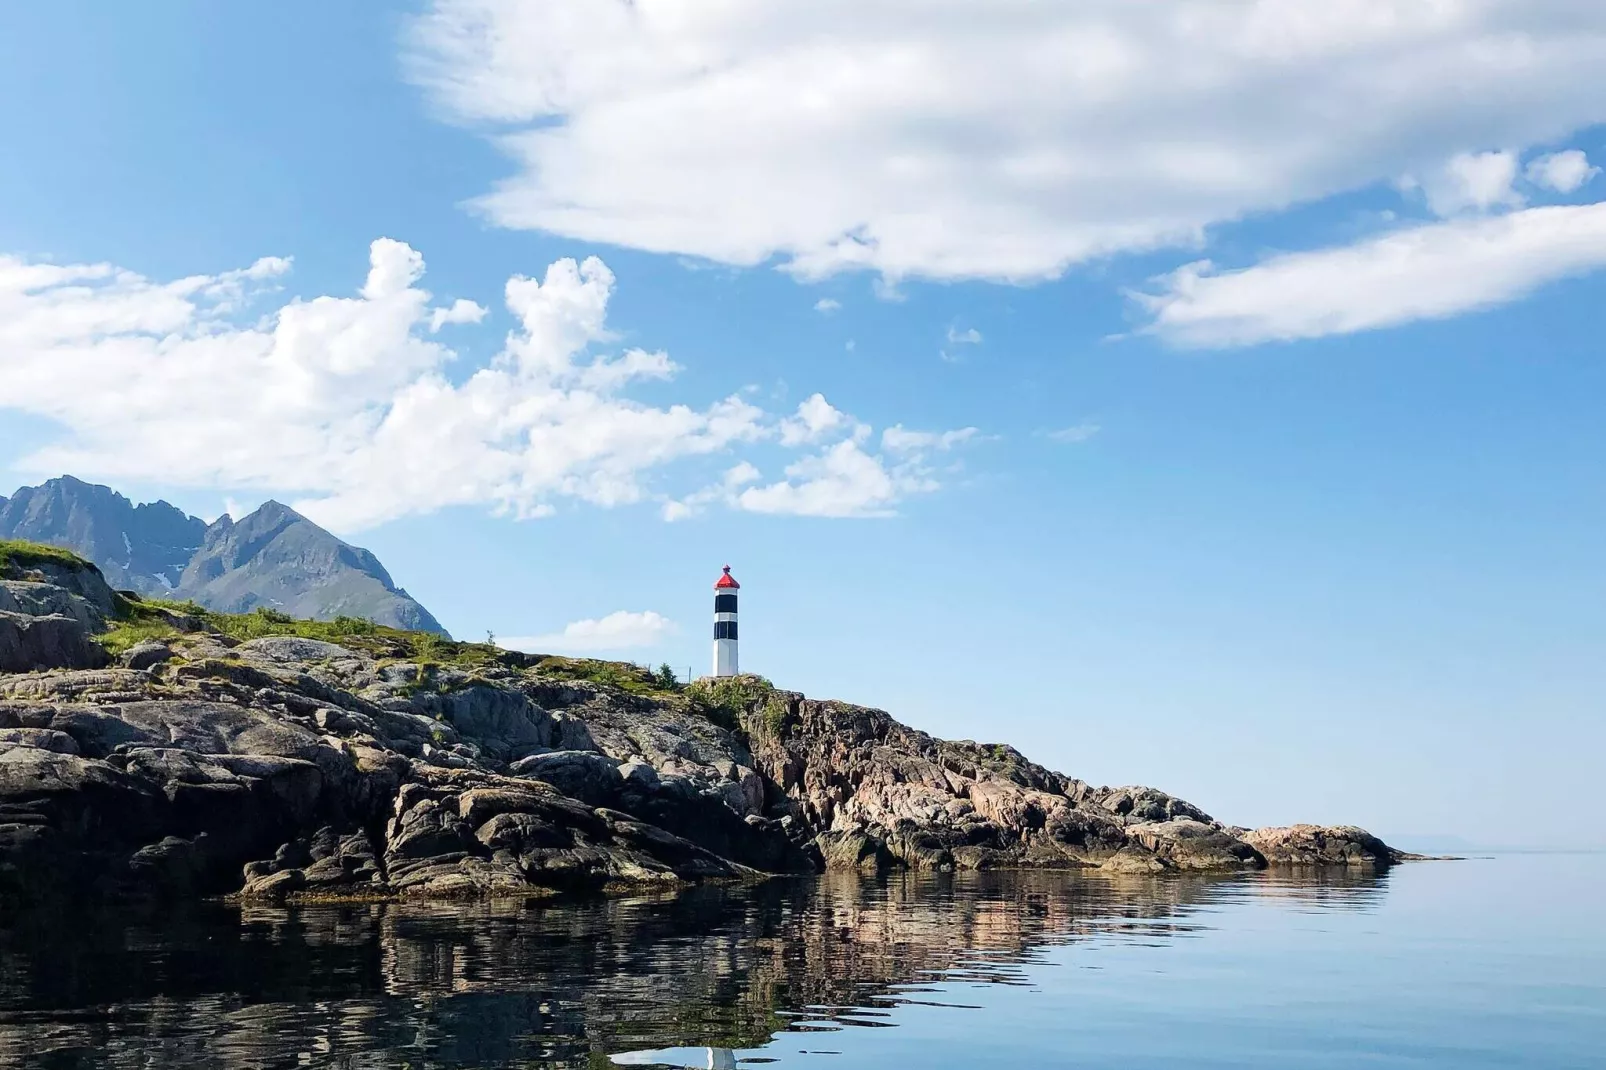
(689,979)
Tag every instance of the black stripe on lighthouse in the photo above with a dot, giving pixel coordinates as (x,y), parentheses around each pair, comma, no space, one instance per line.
(724,629)
(724,603)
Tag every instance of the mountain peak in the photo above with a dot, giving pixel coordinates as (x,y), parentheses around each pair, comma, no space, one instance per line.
(142,548)
(272,557)
(276,558)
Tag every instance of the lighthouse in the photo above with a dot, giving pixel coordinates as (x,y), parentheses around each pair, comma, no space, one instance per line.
(725,589)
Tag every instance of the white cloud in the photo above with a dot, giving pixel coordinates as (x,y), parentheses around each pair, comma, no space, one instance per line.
(345,405)
(843,479)
(898,439)
(462,311)
(725,490)
(1423,272)
(968,337)
(1076,433)
(827,305)
(816,419)
(617,631)
(1564,172)
(1474,182)
(1007,140)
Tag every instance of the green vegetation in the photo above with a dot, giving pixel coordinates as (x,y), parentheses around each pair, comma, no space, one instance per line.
(139,619)
(16,553)
(627,677)
(729,701)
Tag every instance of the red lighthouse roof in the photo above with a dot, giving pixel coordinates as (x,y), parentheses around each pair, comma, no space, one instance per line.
(727,582)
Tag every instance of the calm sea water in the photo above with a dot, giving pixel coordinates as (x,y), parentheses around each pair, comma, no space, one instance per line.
(1485,963)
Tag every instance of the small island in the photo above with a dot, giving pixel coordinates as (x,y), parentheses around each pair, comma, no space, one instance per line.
(160,748)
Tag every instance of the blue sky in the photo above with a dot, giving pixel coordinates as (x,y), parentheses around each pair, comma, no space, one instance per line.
(1311,533)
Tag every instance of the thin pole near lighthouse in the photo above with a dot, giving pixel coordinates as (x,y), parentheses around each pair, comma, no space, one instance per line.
(725,589)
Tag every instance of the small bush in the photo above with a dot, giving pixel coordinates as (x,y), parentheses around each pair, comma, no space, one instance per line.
(728,700)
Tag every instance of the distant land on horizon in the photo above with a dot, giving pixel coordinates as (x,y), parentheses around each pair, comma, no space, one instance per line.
(273,558)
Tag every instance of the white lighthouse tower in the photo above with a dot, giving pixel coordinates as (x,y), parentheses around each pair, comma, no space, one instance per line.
(725,589)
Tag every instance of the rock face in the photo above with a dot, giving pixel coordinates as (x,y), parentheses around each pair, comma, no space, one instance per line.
(285,767)
(882,794)
(49,613)
(274,558)
(278,559)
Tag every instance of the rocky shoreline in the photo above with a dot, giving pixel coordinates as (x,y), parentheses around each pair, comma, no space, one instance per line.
(395,765)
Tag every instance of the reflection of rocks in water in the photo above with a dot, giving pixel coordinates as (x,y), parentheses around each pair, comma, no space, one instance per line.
(494,983)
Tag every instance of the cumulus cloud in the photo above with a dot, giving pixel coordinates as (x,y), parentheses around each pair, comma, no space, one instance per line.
(842,481)
(827,305)
(1563,172)
(815,419)
(348,405)
(1423,272)
(1005,140)
(617,631)
(461,311)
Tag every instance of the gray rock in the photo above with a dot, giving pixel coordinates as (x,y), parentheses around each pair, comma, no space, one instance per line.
(31,644)
(584,775)
(146,655)
(48,600)
(43,738)
(290,650)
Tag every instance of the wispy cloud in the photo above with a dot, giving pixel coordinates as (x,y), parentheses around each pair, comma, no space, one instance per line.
(1424,272)
(827,305)
(1076,433)
(957,339)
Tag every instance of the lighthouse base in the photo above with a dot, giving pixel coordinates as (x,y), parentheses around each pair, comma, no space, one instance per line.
(725,657)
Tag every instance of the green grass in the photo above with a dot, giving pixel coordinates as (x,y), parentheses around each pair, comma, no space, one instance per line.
(142,618)
(17,553)
(627,677)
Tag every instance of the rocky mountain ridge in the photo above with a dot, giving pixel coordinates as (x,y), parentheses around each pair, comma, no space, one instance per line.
(153,748)
(274,557)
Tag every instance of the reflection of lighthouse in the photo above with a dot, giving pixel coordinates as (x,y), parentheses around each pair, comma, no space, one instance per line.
(725,589)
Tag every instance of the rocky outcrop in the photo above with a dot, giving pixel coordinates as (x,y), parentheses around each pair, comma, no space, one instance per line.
(49,611)
(290,768)
(28,643)
(881,794)
(1317,845)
